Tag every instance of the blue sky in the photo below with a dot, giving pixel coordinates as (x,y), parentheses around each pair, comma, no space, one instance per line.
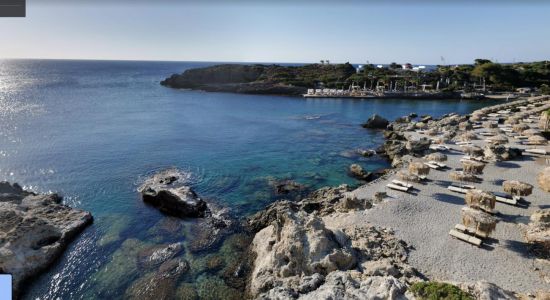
(280,31)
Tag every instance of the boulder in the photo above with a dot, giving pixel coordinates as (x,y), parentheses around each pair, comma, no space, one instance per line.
(358,172)
(483,290)
(376,122)
(160,284)
(34,231)
(166,191)
(418,147)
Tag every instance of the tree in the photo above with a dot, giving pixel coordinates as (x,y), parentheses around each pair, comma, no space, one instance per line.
(482,61)
(544,89)
(394,66)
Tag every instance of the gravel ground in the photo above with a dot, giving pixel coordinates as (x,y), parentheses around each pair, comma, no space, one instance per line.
(423,219)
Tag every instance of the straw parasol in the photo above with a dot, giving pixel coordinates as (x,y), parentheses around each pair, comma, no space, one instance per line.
(511,121)
(465,126)
(531,132)
(437,156)
(472,166)
(489,124)
(467,136)
(472,150)
(498,139)
(432,132)
(420,125)
(482,222)
(544,179)
(480,199)
(406,176)
(461,176)
(418,168)
(520,127)
(477,116)
(537,140)
(517,188)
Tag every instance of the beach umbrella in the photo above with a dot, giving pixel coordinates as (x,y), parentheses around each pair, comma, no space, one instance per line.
(472,150)
(472,166)
(432,132)
(407,176)
(511,121)
(544,179)
(517,188)
(482,222)
(418,168)
(531,132)
(520,127)
(498,139)
(461,176)
(467,136)
(420,125)
(490,124)
(477,116)
(480,199)
(538,229)
(537,140)
(544,121)
(437,156)
(464,126)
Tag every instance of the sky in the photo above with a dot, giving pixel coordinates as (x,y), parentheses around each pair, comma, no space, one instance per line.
(419,32)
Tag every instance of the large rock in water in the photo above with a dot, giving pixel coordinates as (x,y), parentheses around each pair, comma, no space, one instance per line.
(166,191)
(34,230)
(376,122)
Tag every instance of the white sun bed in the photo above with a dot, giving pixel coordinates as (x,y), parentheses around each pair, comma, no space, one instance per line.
(463,189)
(439,147)
(441,165)
(401,183)
(432,166)
(397,187)
(477,126)
(463,143)
(536,151)
(486,133)
(468,157)
(465,237)
(505,198)
(470,231)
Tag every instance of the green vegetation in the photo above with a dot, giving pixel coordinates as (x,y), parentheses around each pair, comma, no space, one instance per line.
(438,291)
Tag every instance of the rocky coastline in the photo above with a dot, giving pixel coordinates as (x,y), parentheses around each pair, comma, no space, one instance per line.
(34,231)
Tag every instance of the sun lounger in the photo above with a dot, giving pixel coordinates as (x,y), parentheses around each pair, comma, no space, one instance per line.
(441,165)
(486,133)
(439,147)
(401,183)
(433,166)
(470,231)
(465,237)
(463,143)
(460,188)
(505,198)
(477,126)
(536,151)
(521,137)
(397,187)
(468,157)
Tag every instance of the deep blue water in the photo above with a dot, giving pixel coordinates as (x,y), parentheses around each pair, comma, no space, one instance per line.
(92,130)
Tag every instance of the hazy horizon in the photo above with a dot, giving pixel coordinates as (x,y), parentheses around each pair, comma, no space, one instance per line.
(426,32)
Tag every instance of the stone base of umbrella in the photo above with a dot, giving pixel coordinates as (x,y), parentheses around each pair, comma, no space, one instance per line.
(543,179)
(463,177)
(472,166)
(418,168)
(480,200)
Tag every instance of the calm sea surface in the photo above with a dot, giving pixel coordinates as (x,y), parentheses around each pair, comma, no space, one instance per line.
(92,130)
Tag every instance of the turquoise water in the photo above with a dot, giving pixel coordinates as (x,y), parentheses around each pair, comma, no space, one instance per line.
(92,130)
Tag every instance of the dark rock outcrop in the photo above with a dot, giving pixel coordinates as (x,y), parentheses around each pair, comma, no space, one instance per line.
(376,122)
(358,172)
(34,231)
(166,191)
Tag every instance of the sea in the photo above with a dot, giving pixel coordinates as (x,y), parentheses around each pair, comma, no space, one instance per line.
(92,131)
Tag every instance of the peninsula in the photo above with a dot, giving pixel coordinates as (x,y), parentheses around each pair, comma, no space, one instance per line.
(483,79)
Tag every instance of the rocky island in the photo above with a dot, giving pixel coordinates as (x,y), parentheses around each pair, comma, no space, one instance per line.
(34,231)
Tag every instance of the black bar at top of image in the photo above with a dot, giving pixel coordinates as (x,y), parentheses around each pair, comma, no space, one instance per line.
(12,8)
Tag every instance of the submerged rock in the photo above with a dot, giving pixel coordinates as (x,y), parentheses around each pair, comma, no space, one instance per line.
(34,231)
(159,285)
(165,190)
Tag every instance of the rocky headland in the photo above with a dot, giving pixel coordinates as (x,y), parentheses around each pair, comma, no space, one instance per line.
(258,79)
(34,231)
